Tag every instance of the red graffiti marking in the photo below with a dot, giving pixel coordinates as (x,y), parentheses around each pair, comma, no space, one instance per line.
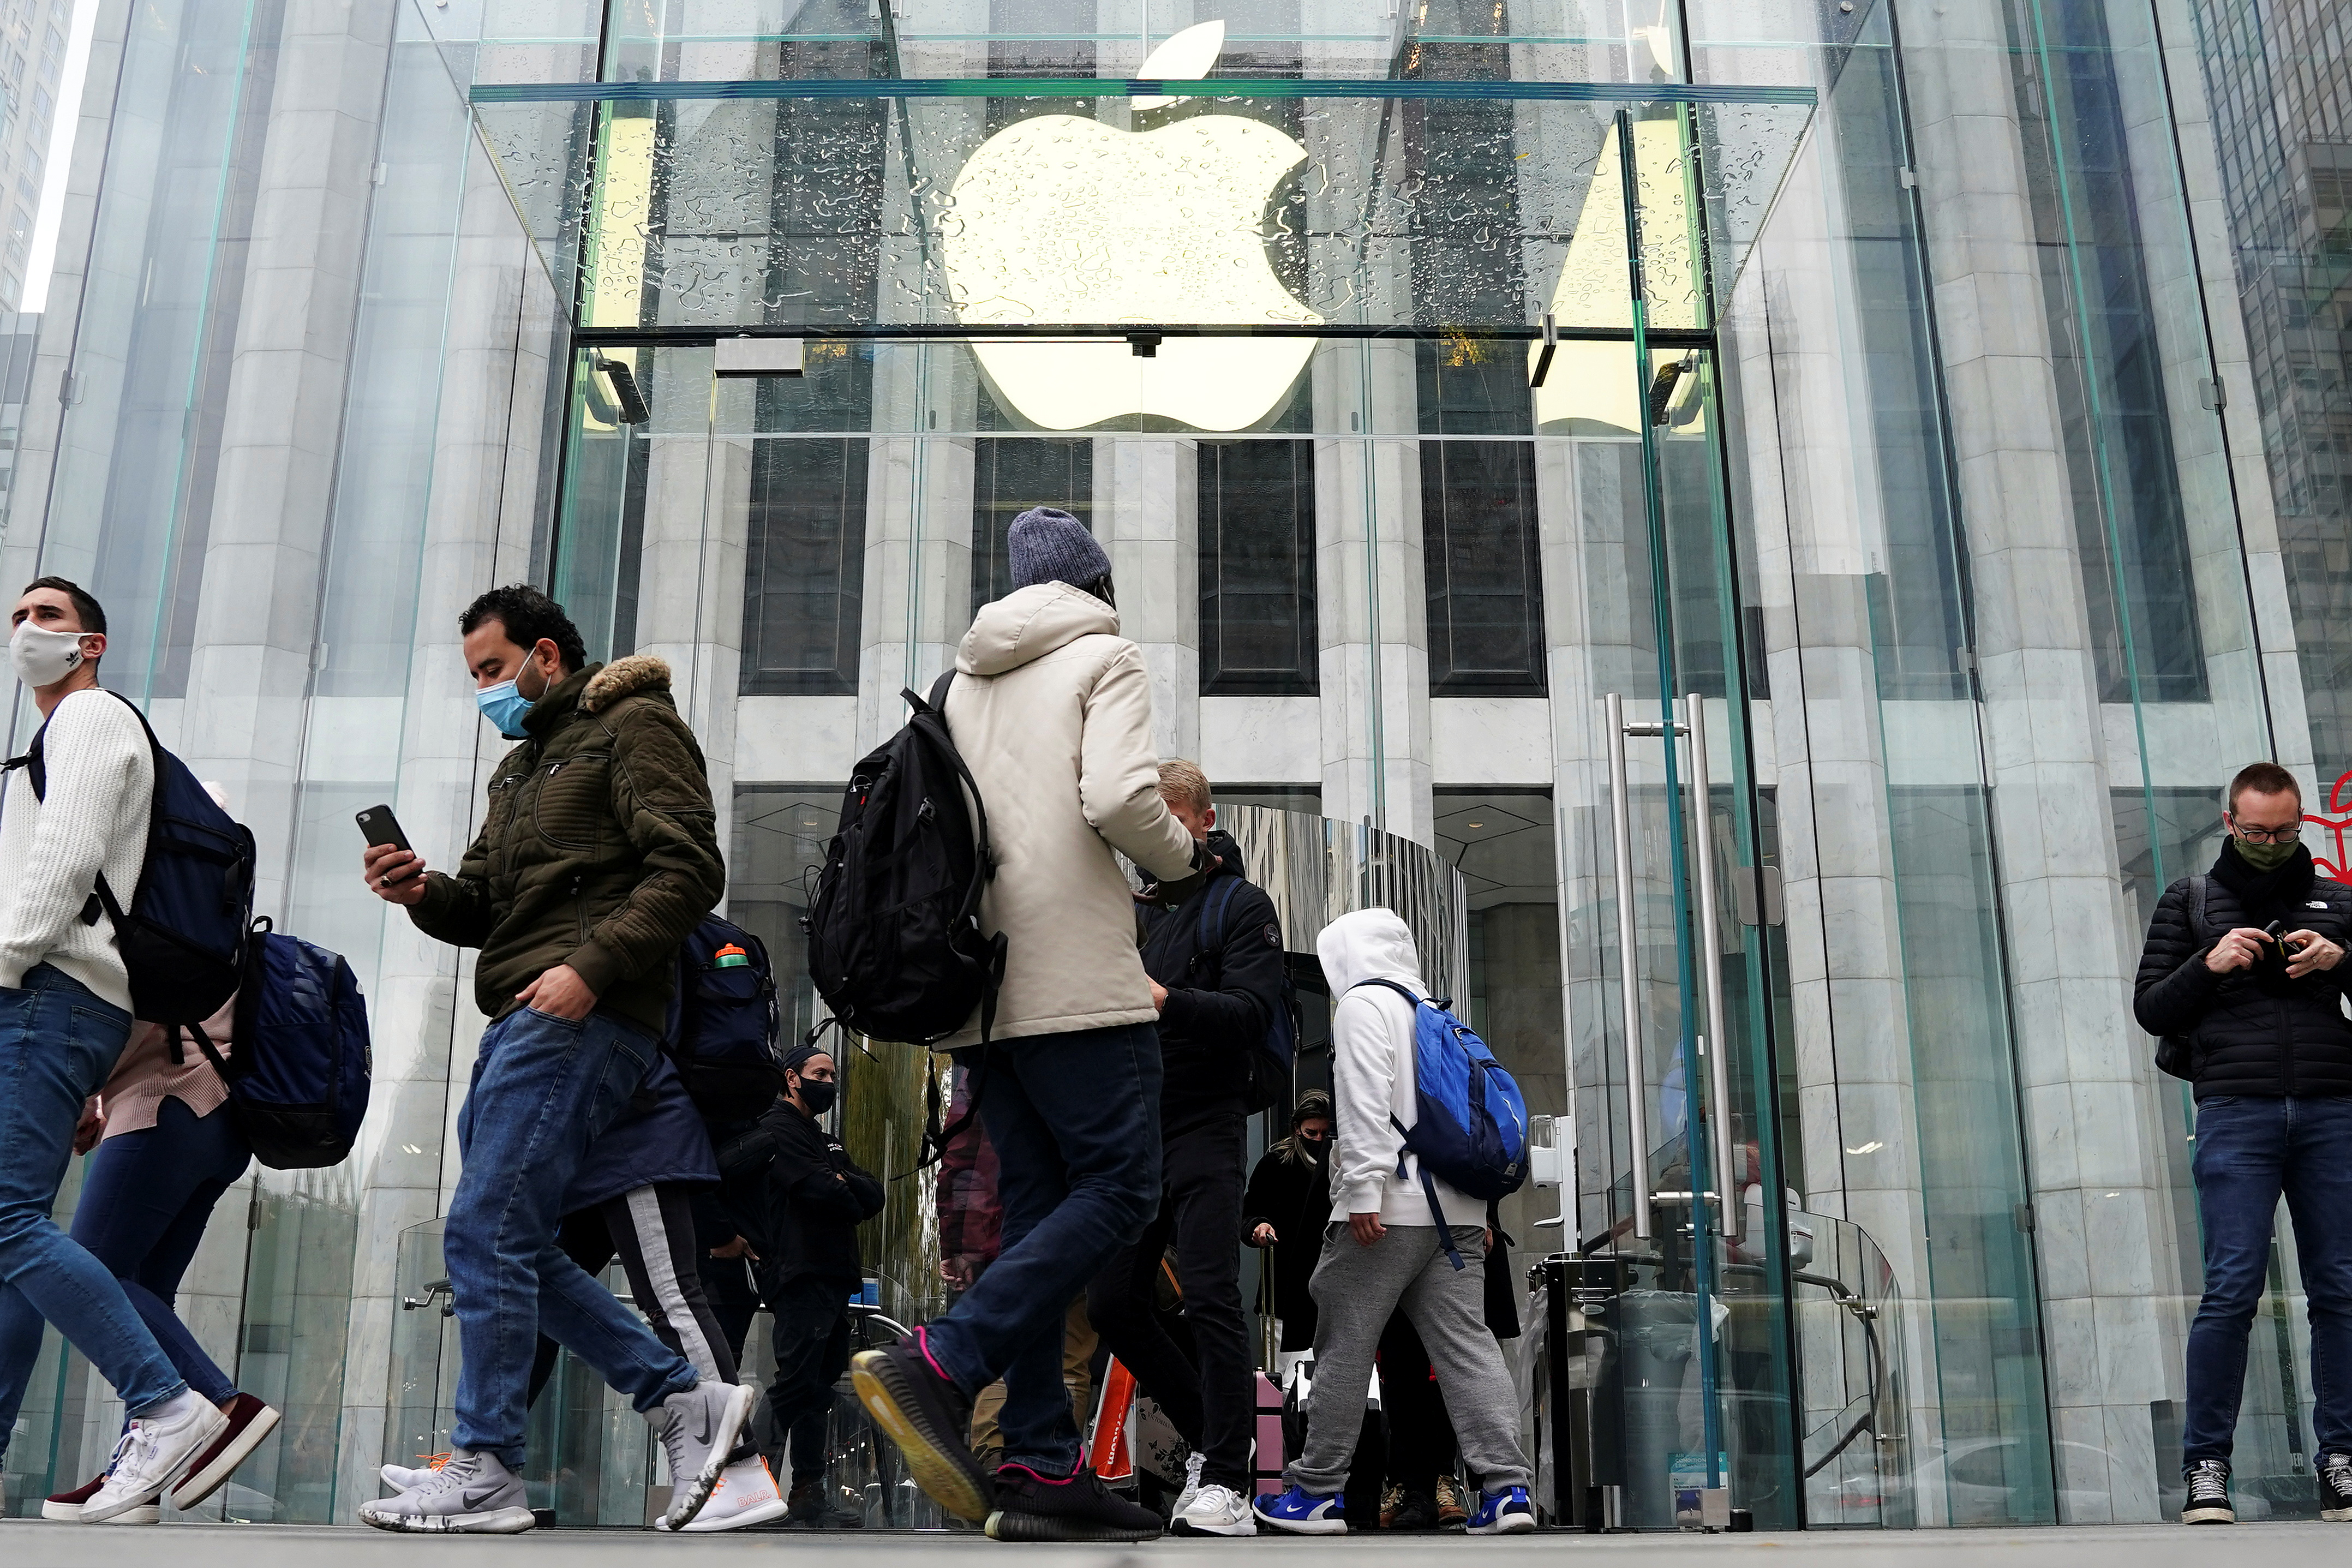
(2338,824)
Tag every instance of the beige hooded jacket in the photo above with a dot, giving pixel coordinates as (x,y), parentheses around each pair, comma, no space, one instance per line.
(1052,713)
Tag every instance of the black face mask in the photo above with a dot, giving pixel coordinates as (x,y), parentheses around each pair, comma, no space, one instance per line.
(1318,1149)
(818,1096)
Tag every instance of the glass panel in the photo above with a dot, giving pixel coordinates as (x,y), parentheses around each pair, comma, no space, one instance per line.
(1276,206)
(1257,567)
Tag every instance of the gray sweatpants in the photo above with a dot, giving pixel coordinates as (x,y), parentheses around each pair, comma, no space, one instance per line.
(1355,1289)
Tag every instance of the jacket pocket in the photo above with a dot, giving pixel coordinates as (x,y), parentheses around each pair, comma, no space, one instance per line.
(573,803)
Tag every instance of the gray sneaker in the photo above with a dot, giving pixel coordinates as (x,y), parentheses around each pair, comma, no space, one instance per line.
(698,1429)
(475,1493)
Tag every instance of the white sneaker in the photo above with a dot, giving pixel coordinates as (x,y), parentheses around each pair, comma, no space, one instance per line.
(473,1493)
(1193,1463)
(698,1429)
(1215,1510)
(154,1450)
(746,1495)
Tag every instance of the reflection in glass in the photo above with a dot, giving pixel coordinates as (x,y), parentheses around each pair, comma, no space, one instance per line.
(1484,581)
(805,569)
(1010,475)
(1257,567)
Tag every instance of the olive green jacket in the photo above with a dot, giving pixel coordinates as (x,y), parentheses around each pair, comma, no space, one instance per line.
(599,848)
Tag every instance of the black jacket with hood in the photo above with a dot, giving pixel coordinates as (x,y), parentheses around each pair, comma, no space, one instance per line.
(798,1197)
(2252,1032)
(1219,953)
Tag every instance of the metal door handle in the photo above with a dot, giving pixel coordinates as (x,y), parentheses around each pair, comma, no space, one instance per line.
(1621,818)
(1718,1069)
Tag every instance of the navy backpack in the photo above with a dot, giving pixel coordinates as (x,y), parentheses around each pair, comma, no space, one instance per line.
(183,938)
(723,1023)
(298,1077)
(1271,1062)
(1472,1126)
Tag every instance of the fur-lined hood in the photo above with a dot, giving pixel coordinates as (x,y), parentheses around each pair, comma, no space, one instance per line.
(625,676)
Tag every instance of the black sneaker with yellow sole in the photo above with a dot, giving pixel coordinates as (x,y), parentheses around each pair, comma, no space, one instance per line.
(920,1409)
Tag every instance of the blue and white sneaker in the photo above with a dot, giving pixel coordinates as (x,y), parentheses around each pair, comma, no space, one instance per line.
(1506,1512)
(1303,1514)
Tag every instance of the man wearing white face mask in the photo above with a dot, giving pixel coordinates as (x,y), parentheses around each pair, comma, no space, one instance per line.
(598,853)
(65,1017)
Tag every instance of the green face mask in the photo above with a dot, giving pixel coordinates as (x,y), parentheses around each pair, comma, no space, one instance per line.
(2266,856)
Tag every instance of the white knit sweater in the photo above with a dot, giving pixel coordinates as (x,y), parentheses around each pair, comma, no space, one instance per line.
(101,789)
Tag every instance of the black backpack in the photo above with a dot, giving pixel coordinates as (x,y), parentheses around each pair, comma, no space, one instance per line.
(184,938)
(895,944)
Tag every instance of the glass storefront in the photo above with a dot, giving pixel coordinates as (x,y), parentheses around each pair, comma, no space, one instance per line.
(1722,514)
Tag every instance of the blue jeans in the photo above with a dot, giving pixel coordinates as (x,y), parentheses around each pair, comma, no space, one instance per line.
(543,1089)
(1075,1120)
(2250,1150)
(145,1197)
(57,1043)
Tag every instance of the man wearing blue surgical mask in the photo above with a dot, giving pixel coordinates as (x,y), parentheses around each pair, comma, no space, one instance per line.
(598,853)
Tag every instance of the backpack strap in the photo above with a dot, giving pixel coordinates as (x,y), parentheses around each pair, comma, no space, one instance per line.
(1428,1185)
(1224,893)
(35,761)
(929,713)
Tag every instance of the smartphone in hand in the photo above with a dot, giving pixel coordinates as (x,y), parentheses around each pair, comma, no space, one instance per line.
(382,827)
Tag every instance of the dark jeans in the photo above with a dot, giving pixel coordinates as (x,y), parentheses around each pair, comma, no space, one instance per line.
(1075,1120)
(1211,1399)
(2249,1152)
(811,1322)
(57,1043)
(543,1089)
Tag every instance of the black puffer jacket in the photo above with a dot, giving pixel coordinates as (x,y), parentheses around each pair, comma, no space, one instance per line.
(1224,988)
(2255,1032)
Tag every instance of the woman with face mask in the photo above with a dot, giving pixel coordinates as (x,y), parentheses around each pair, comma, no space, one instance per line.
(1285,1208)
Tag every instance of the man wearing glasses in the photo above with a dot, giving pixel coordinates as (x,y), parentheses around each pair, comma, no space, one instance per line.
(2244,963)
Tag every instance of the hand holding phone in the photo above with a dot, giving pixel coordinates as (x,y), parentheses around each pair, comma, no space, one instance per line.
(394,871)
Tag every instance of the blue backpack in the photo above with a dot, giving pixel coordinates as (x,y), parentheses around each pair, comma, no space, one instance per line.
(298,1080)
(723,1023)
(1271,1063)
(183,940)
(1472,1126)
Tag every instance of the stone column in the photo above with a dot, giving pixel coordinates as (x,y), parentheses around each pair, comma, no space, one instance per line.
(1147,517)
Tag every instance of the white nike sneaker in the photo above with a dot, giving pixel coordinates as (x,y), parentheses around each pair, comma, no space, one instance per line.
(746,1495)
(1193,1463)
(473,1493)
(155,1450)
(1215,1510)
(698,1429)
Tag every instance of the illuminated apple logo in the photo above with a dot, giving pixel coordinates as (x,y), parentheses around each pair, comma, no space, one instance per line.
(1060,219)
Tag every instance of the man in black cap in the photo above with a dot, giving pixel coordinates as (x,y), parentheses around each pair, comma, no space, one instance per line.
(799,1198)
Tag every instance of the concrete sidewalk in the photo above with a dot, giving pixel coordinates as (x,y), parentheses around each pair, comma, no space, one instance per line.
(26,1544)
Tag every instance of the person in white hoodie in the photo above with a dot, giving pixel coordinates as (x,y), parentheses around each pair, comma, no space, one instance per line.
(1389,1256)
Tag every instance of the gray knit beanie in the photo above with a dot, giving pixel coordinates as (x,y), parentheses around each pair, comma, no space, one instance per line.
(1049,546)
